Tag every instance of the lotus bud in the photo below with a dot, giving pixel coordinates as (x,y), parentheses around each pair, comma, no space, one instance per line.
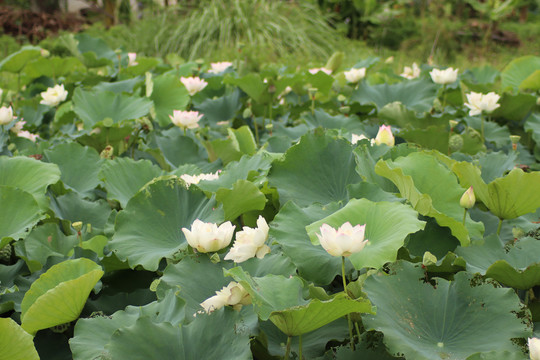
(453,124)
(385,136)
(344,109)
(6,115)
(429,259)
(467,199)
(107,153)
(312,92)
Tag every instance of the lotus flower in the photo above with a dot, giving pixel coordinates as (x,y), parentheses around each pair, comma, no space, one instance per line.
(316,70)
(355,75)
(385,136)
(193,84)
(17,127)
(233,295)
(194,179)
(208,237)
(132,59)
(482,103)
(467,199)
(219,67)
(6,115)
(250,243)
(54,96)
(411,72)
(344,241)
(444,77)
(28,135)
(534,348)
(186,119)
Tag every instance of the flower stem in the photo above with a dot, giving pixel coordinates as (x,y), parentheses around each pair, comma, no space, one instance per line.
(345,290)
(288,349)
(444,97)
(499,227)
(482,129)
(300,347)
(464,216)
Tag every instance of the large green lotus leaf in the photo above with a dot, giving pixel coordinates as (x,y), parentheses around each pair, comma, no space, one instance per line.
(15,62)
(313,343)
(91,335)
(247,168)
(518,70)
(363,351)
(179,149)
(73,207)
(275,263)
(58,296)
(387,226)
(497,355)
(515,107)
(366,157)
(532,82)
(30,175)
(264,295)
(243,197)
(168,94)
(432,190)
(327,162)
(288,229)
(323,119)
(221,109)
(493,132)
(194,280)
(53,67)
(305,318)
(453,320)
(150,226)
(508,197)
(123,177)
(436,239)
(396,113)
(517,267)
(373,192)
(251,84)
(481,75)
(118,87)
(532,125)
(79,165)
(93,107)
(87,43)
(496,164)
(190,342)
(430,137)
(43,242)
(320,81)
(417,95)
(15,343)
(19,212)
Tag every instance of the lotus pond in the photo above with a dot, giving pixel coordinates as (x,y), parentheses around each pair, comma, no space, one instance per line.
(103,175)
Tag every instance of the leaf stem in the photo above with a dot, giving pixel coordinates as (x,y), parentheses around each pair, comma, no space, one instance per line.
(499,227)
(300,347)
(288,349)
(464,216)
(482,129)
(345,290)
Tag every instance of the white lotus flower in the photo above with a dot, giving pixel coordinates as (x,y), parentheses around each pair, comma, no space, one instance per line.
(316,70)
(17,127)
(250,243)
(28,135)
(356,138)
(344,241)
(444,77)
(208,237)
(355,75)
(482,103)
(193,84)
(219,67)
(6,115)
(194,179)
(385,136)
(186,119)
(411,72)
(132,59)
(233,295)
(54,96)
(534,348)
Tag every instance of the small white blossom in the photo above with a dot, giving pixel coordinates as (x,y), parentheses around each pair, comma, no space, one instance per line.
(193,84)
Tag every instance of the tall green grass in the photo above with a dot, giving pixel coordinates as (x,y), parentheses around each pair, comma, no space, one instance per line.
(212,29)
